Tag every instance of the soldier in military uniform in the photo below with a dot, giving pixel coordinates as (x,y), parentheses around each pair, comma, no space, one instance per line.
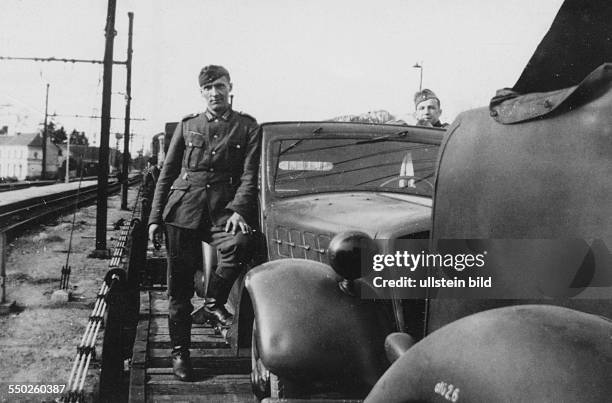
(149,179)
(427,109)
(206,191)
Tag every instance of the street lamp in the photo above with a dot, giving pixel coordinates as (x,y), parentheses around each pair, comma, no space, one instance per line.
(420,67)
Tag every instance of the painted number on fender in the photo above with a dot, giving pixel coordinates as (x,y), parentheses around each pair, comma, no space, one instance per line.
(447,390)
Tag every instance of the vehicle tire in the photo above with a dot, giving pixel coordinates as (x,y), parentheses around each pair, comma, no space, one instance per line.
(260,375)
(265,383)
(276,387)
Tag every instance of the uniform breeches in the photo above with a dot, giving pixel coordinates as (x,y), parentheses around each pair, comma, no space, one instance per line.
(185,257)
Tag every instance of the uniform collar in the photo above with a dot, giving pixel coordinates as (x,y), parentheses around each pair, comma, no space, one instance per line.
(210,115)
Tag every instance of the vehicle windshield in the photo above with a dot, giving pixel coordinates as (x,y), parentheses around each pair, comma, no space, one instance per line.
(383,163)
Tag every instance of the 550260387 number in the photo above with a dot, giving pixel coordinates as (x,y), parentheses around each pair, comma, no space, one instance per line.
(42,389)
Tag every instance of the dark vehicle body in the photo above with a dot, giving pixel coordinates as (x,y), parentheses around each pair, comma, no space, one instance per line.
(318,180)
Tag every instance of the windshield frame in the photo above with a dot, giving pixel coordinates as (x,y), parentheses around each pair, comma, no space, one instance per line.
(359,132)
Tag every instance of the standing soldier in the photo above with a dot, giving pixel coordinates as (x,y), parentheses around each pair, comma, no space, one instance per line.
(149,180)
(207,191)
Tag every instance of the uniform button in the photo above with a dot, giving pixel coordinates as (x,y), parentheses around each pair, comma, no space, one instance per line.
(215,136)
(190,144)
(214,152)
(211,169)
(207,185)
(237,145)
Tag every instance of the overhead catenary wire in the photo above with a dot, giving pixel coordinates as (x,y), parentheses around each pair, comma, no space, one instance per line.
(56,59)
(92,117)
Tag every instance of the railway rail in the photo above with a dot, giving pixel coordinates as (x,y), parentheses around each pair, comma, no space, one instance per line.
(19,213)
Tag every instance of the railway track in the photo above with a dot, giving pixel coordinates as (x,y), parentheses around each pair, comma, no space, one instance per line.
(7,187)
(28,211)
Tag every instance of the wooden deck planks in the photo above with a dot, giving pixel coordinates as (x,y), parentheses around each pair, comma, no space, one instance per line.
(219,375)
(215,385)
(186,398)
(137,388)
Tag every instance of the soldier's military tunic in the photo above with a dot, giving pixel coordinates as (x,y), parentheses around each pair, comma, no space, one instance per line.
(440,125)
(210,171)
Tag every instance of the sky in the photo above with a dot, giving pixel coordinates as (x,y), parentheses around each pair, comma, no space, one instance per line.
(288,59)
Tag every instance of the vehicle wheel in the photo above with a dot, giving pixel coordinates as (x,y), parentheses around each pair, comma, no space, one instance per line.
(260,375)
(276,387)
(263,382)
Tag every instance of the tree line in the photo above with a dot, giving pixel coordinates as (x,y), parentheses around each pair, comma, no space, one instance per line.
(58,135)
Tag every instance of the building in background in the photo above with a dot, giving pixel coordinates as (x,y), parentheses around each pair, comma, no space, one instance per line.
(21,156)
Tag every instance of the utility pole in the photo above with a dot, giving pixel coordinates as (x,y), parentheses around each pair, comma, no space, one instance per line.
(101,251)
(43,173)
(126,135)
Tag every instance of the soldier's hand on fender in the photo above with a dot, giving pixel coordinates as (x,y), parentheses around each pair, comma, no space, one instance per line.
(235,223)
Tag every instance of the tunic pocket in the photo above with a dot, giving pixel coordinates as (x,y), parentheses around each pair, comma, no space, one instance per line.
(177,192)
(195,144)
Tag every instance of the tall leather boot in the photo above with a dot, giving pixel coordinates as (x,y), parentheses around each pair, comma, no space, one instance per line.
(180,336)
(214,303)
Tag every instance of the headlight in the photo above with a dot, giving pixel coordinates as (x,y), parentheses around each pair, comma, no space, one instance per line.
(350,254)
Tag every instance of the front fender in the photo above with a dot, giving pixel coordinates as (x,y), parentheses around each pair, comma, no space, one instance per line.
(524,353)
(308,329)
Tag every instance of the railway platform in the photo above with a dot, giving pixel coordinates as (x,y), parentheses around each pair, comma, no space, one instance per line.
(19,195)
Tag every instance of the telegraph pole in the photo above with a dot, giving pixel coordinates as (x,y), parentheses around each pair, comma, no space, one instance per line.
(126,135)
(103,165)
(107,78)
(43,172)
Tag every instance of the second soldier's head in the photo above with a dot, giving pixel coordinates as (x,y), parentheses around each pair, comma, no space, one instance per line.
(427,107)
(215,86)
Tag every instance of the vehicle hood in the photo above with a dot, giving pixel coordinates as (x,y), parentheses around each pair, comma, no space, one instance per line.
(380,215)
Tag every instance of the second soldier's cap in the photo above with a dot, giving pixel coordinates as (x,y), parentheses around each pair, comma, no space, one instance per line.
(424,95)
(212,72)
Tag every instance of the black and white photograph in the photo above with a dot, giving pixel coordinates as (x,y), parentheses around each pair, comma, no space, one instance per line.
(295,201)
